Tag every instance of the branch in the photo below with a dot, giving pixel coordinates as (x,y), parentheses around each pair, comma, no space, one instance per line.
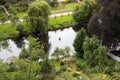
(5,10)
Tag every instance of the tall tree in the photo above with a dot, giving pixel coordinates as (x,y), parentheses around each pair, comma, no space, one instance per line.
(105,24)
(38,13)
(78,42)
(34,52)
(94,53)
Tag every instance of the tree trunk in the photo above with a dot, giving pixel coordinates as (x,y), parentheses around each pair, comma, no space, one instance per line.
(5,10)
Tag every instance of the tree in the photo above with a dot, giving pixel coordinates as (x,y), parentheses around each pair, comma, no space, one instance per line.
(86,9)
(34,52)
(46,70)
(78,42)
(94,53)
(38,13)
(105,24)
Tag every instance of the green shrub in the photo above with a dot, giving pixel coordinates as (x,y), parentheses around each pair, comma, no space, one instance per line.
(63,68)
(74,74)
(78,42)
(116,76)
(95,54)
(62,63)
(8,32)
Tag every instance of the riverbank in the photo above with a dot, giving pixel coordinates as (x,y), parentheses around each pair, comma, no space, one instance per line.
(55,22)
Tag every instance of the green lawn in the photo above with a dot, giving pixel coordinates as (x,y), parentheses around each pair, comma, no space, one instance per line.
(67,7)
(55,21)
(64,8)
(59,9)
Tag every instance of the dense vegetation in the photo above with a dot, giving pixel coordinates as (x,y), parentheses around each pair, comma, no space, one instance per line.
(85,10)
(89,62)
(105,24)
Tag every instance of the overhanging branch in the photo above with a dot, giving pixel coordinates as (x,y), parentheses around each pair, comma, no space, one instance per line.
(5,10)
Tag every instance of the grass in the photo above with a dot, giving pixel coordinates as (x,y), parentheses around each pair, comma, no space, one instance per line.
(69,6)
(57,9)
(59,22)
(21,14)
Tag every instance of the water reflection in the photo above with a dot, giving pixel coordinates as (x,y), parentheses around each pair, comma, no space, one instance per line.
(13,50)
(44,39)
(51,40)
(61,39)
(19,41)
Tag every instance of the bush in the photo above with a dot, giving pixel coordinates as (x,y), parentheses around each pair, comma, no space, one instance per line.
(62,63)
(116,76)
(78,42)
(75,74)
(95,54)
(63,68)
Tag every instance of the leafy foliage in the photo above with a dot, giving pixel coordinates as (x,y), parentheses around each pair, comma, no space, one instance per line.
(78,42)
(3,18)
(46,70)
(105,24)
(86,9)
(7,32)
(34,52)
(38,15)
(94,53)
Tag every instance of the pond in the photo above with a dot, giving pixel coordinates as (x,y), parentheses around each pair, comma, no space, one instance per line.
(58,38)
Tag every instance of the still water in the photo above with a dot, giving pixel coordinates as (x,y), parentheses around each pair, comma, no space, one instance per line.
(58,38)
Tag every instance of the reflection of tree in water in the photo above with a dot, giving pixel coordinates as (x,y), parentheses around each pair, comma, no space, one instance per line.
(43,37)
(45,41)
(19,41)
